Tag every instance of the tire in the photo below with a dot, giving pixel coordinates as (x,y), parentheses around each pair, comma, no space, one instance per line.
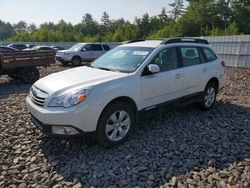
(76,61)
(115,124)
(13,76)
(65,63)
(209,96)
(29,75)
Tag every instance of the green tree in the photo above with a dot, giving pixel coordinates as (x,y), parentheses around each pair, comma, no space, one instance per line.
(163,16)
(177,9)
(105,19)
(6,30)
(241,14)
(90,26)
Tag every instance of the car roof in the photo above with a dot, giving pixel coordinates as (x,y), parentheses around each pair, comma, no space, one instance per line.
(43,46)
(162,42)
(9,48)
(16,45)
(146,43)
(93,43)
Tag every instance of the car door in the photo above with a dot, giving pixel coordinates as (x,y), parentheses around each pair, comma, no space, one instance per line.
(195,70)
(165,85)
(98,51)
(87,53)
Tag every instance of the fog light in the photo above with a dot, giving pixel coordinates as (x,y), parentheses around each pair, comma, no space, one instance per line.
(64,130)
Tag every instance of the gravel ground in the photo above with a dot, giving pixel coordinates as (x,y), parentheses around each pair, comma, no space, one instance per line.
(180,148)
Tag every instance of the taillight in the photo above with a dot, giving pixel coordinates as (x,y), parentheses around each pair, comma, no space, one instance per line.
(222,63)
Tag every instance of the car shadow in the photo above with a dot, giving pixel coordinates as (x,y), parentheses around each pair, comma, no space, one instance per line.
(9,86)
(165,145)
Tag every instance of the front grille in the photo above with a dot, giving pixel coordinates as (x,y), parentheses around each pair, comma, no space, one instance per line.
(38,96)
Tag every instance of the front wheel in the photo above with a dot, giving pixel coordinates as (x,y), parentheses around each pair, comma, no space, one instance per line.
(65,63)
(76,61)
(209,96)
(115,124)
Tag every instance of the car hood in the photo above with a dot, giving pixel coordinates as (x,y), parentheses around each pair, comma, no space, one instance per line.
(76,77)
(62,51)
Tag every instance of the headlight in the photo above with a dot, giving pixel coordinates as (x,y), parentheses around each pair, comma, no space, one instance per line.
(70,99)
(66,53)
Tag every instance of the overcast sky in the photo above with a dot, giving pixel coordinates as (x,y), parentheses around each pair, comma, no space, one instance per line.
(39,11)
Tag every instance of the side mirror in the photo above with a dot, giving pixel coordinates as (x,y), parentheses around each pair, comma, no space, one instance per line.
(153,68)
(84,49)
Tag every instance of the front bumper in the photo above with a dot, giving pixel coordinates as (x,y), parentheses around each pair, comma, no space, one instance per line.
(60,59)
(47,129)
(83,117)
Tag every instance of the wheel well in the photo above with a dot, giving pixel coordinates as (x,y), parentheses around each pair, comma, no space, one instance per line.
(215,81)
(126,100)
(76,56)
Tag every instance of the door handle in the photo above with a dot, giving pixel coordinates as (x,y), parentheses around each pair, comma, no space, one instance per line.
(204,69)
(178,76)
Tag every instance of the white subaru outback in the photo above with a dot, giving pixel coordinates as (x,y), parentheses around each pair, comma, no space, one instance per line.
(106,97)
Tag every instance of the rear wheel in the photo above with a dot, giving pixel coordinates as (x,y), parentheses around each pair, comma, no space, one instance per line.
(29,75)
(209,96)
(76,61)
(115,124)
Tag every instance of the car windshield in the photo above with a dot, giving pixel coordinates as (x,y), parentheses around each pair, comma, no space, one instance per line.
(76,47)
(123,59)
(35,47)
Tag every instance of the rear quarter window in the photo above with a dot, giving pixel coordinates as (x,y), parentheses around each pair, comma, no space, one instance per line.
(209,55)
(190,56)
(106,47)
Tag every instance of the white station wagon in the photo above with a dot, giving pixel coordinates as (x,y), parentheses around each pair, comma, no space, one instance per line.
(106,97)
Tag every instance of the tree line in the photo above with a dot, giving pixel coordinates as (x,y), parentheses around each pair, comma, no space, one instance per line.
(199,18)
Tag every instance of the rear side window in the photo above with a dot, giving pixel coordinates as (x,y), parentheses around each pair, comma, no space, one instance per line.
(106,47)
(97,47)
(20,46)
(45,48)
(190,56)
(209,55)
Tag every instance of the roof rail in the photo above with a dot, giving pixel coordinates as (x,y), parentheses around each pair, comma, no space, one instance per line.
(136,40)
(185,40)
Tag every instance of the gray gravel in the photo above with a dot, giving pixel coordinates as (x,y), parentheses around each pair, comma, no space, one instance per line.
(180,148)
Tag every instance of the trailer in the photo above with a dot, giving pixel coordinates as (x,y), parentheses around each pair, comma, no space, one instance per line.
(23,65)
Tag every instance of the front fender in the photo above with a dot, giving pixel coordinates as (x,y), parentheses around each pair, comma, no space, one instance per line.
(102,95)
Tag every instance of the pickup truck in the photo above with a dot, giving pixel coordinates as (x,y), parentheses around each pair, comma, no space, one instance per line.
(23,64)
(81,52)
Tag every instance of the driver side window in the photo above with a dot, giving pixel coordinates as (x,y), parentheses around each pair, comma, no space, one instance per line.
(167,59)
(88,47)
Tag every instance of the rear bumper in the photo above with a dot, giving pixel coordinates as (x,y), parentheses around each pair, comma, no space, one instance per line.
(222,81)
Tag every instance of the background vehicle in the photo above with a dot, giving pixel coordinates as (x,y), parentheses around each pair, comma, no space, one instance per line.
(42,48)
(22,64)
(57,48)
(108,96)
(4,49)
(18,46)
(30,46)
(82,52)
